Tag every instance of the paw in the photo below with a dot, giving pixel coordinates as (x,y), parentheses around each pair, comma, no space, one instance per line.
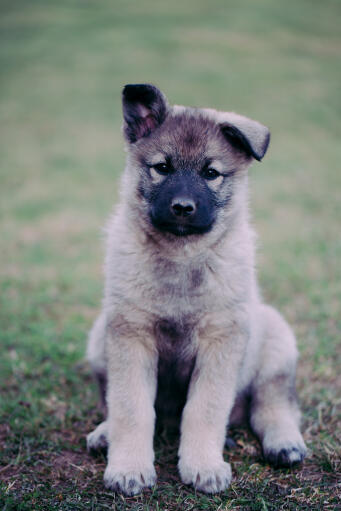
(211,478)
(284,452)
(129,482)
(285,457)
(97,439)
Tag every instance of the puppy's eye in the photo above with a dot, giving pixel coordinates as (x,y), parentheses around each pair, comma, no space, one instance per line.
(210,173)
(163,168)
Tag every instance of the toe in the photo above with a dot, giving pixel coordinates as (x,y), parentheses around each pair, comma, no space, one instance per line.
(129,483)
(286,457)
(96,442)
(209,480)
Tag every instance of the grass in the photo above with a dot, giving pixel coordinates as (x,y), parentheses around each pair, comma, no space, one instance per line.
(63,65)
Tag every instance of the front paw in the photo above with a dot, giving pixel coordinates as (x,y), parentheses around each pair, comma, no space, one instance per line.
(129,481)
(212,477)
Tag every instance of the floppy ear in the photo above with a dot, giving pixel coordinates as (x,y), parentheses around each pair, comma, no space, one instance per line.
(144,109)
(247,135)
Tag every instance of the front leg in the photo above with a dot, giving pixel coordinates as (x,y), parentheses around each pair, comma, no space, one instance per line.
(210,399)
(132,366)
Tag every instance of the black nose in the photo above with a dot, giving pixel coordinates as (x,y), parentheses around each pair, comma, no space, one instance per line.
(183,207)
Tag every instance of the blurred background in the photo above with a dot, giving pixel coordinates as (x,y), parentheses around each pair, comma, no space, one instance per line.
(63,65)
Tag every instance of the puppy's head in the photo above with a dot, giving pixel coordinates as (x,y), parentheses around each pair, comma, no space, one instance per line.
(186,166)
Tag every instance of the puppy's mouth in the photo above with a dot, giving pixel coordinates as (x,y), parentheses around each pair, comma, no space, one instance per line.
(180,228)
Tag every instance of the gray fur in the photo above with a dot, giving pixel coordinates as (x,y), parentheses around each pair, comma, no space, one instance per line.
(183,324)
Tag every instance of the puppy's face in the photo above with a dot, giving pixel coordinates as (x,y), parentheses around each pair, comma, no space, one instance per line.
(187,162)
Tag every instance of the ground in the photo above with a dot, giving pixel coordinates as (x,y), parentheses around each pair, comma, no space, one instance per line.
(63,65)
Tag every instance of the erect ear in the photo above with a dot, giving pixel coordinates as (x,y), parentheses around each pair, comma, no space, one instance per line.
(247,135)
(144,109)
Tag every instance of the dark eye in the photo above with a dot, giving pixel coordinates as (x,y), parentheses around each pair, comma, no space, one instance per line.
(210,173)
(162,168)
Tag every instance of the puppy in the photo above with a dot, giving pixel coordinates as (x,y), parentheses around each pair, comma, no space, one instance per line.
(184,331)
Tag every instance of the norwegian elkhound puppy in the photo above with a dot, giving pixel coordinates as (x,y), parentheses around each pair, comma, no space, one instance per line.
(184,331)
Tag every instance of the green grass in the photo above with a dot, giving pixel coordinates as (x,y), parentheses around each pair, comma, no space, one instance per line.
(63,65)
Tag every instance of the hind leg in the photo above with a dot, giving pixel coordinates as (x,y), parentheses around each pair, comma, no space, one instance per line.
(96,355)
(274,410)
(97,439)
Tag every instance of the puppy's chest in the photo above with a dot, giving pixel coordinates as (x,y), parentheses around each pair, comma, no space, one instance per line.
(174,339)
(178,290)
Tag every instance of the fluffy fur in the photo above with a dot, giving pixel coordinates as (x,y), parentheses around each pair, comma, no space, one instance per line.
(183,331)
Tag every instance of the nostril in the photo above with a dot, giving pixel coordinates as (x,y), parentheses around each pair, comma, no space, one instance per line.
(177,209)
(182,207)
(189,208)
